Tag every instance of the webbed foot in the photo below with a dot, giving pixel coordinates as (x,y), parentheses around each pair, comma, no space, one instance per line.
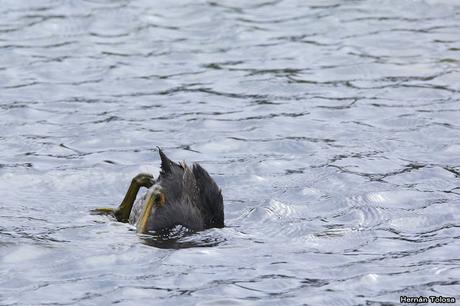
(103,211)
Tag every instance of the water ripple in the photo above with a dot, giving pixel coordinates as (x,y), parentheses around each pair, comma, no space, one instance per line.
(332,128)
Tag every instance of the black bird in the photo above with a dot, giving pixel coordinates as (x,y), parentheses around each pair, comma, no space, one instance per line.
(181,195)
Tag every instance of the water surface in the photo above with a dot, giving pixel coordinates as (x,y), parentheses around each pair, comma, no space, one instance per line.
(332,127)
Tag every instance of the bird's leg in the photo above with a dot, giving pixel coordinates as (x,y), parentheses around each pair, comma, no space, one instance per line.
(140,180)
(123,211)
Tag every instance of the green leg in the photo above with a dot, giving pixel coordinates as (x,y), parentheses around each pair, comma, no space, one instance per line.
(123,211)
(140,180)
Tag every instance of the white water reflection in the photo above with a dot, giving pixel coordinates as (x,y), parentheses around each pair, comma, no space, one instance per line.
(331,126)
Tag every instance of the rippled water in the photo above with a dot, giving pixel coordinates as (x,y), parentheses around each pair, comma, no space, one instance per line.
(333,128)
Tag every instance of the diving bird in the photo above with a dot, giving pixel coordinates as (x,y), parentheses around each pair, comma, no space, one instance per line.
(181,195)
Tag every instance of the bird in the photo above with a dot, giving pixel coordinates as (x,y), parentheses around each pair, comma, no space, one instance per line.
(181,195)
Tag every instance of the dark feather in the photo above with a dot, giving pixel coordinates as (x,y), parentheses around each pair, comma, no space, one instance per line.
(167,165)
(210,195)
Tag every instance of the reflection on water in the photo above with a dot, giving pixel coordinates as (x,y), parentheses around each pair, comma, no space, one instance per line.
(179,238)
(331,126)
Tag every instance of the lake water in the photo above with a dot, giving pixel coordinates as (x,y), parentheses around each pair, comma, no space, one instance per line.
(332,127)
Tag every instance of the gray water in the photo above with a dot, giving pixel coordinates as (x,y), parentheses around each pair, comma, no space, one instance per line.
(332,127)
